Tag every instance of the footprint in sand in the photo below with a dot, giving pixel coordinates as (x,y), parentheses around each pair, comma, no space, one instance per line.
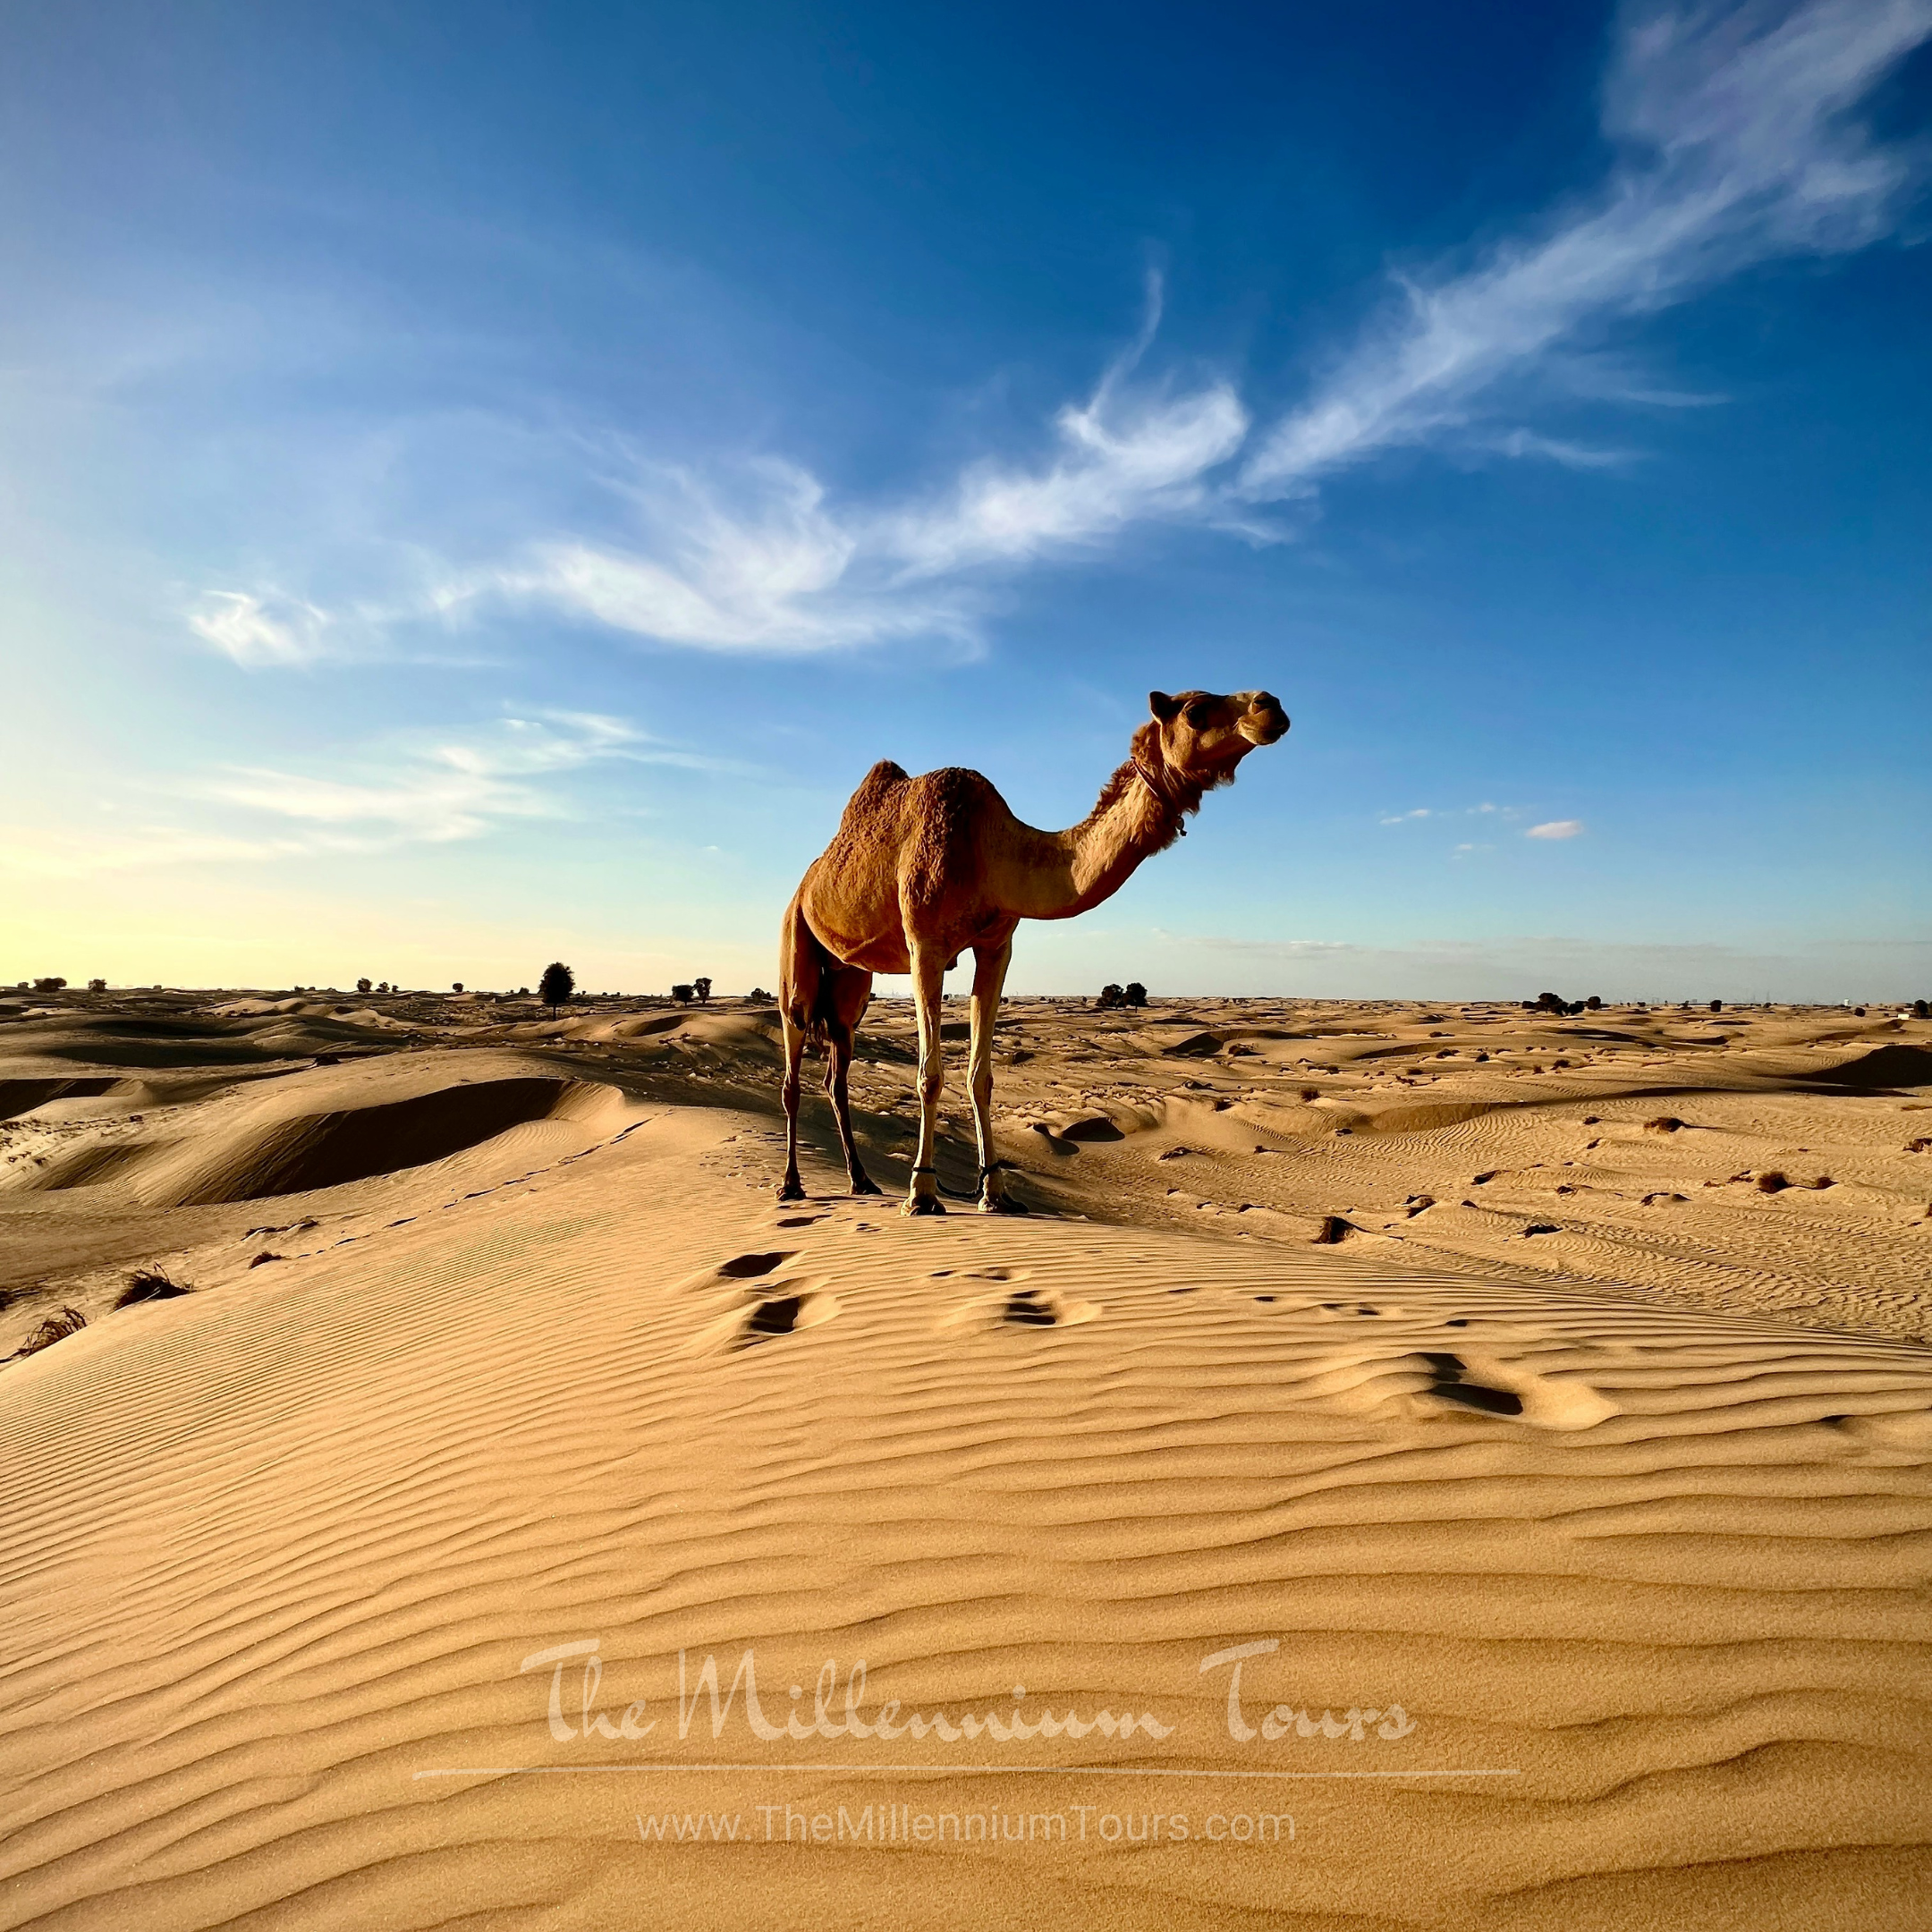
(757,1314)
(740,1267)
(1436,1382)
(1500,1387)
(1044,1307)
(783,1315)
(1023,1308)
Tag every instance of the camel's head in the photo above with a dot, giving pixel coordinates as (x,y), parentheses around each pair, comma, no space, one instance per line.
(1203,737)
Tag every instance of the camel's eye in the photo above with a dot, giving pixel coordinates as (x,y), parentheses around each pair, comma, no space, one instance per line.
(1201,716)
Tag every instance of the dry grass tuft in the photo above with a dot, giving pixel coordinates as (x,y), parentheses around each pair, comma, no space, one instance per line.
(55,1328)
(150,1284)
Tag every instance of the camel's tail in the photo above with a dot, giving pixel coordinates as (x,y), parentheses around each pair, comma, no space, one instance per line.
(805,977)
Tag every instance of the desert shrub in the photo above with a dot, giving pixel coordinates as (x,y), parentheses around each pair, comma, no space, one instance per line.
(1110,995)
(51,984)
(683,995)
(150,1284)
(1594,1003)
(1311,1093)
(455,985)
(55,1328)
(1552,1003)
(1772,1183)
(1716,1005)
(363,985)
(1921,1010)
(758,996)
(700,989)
(96,985)
(1133,994)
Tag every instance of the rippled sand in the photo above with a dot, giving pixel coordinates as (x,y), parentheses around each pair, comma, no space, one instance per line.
(1619,1527)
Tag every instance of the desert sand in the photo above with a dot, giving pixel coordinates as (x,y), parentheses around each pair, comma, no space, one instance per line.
(1542,1403)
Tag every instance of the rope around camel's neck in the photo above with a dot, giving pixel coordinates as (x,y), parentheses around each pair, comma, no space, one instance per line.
(1175,800)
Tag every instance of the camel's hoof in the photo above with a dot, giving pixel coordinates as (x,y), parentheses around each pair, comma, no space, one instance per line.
(1002,1204)
(790,1190)
(863,1183)
(918,1204)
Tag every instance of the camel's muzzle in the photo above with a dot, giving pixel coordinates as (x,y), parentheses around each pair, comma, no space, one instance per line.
(1264,722)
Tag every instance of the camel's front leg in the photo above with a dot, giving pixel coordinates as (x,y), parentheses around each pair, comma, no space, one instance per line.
(929,982)
(838,1068)
(989,975)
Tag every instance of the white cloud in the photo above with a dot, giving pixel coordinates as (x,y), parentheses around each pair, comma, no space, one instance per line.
(1446,812)
(453,789)
(61,852)
(775,572)
(1735,149)
(780,569)
(1555,828)
(264,628)
(1735,144)
(1557,450)
(440,790)
(1141,461)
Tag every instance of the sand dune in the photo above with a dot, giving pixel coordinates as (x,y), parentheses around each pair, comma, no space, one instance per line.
(1614,1579)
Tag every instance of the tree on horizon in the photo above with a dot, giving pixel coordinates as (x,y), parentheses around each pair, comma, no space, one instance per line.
(556,985)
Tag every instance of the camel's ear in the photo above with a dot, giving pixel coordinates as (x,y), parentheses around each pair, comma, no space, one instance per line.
(1166,708)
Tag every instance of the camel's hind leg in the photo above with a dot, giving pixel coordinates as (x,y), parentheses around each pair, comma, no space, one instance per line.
(989,975)
(792,1188)
(801,966)
(928,981)
(848,993)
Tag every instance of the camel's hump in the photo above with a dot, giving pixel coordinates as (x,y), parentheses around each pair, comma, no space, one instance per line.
(935,808)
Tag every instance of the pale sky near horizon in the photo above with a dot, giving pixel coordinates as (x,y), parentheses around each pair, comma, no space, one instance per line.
(480,483)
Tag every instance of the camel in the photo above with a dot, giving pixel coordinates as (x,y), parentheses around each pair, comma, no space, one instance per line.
(924,869)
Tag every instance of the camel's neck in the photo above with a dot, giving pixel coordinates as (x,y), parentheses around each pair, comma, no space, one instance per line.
(1138,812)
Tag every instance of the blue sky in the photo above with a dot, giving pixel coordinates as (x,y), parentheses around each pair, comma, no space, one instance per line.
(480,483)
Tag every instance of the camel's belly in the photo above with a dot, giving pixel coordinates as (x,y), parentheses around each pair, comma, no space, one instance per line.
(879,956)
(861,929)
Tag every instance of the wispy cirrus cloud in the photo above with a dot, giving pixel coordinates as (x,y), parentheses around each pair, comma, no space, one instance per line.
(447,788)
(1122,456)
(432,789)
(755,563)
(261,627)
(1736,143)
(769,564)
(1735,147)
(1453,812)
